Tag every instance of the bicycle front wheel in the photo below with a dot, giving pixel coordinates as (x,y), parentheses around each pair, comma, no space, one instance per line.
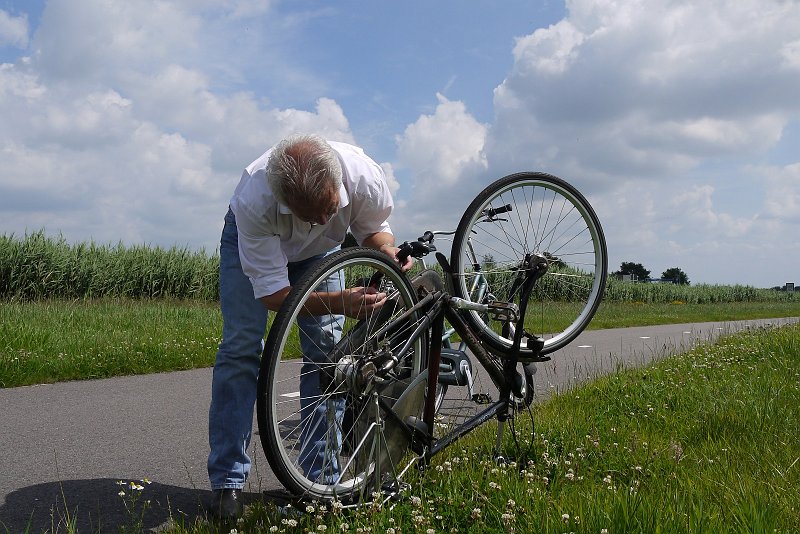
(331,399)
(531,213)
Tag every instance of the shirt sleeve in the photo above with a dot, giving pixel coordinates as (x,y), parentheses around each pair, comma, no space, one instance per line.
(263,260)
(372,205)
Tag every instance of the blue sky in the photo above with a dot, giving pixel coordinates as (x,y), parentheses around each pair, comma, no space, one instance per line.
(133,120)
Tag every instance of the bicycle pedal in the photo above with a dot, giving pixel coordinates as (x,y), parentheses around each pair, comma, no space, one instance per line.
(506,312)
(394,489)
(481,398)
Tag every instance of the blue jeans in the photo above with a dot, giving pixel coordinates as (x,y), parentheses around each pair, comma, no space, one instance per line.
(233,385)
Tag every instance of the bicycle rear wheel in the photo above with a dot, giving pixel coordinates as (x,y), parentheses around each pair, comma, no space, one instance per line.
(531,213)
(329,421)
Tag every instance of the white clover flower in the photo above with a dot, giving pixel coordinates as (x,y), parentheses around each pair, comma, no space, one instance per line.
(322,528)
(476,513)
(273,528)
(565,518)
(603,531)
(416,501)
(506,518)
(310,509)
(292,523)
(121,493)
(390,530)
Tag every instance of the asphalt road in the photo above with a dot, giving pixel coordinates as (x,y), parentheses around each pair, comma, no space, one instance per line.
(64,447)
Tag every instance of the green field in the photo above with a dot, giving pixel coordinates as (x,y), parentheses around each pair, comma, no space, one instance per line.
(51,341)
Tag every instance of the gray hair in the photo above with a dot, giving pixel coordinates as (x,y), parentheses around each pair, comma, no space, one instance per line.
(303,168)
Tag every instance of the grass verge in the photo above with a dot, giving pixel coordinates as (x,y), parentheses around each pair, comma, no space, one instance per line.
(51,341)
(627,314)
(705,442)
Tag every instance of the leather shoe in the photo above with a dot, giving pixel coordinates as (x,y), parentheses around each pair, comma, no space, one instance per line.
(226,503)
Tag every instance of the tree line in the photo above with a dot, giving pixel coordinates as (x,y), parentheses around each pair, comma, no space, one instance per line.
(637,271)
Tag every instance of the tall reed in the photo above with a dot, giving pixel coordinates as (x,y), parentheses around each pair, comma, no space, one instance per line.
(38,267)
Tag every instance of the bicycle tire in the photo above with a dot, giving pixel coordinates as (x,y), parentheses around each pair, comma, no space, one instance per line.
(358,457)
(547,216)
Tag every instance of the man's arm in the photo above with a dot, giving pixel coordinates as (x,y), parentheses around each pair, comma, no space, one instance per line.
(355,302)
(384,241)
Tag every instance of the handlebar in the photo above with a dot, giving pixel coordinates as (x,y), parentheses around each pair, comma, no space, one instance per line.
(416,249)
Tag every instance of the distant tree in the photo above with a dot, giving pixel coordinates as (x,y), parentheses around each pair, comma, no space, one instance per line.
(677,275)
(636,269)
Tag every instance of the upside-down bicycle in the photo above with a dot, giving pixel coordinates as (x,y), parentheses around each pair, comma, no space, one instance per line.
(525,276)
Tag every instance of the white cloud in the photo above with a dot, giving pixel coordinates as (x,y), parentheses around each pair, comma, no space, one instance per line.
(118,132)
(783,192)
(441,146)
(636,103)
(694,210)
(648,89)
(551,50)
(13,30)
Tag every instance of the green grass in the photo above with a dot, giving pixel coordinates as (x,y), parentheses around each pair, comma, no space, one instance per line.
(705,442)
(626,314)
(51,341)
(43,342)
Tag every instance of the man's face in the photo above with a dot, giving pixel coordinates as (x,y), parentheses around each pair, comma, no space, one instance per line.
(318,214)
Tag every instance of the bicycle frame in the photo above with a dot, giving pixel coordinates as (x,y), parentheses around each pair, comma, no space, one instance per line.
(436,306)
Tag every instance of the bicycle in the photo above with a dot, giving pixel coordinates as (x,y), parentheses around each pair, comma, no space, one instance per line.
(526,274)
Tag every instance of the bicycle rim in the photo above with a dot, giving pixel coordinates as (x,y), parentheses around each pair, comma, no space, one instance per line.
(535,213)
(341,439)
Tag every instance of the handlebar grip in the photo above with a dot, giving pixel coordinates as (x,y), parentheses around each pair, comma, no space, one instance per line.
(427,237)
(491,212)
(413,248)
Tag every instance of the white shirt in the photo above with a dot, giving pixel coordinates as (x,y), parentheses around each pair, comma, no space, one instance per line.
(270,236)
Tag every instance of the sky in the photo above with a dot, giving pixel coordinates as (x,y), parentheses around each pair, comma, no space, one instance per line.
(679,120)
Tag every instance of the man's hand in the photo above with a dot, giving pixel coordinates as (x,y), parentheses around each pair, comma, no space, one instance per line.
(384,241)
(392,251)
(360,302)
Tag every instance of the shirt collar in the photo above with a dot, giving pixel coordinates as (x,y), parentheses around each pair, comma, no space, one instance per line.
(344,200)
